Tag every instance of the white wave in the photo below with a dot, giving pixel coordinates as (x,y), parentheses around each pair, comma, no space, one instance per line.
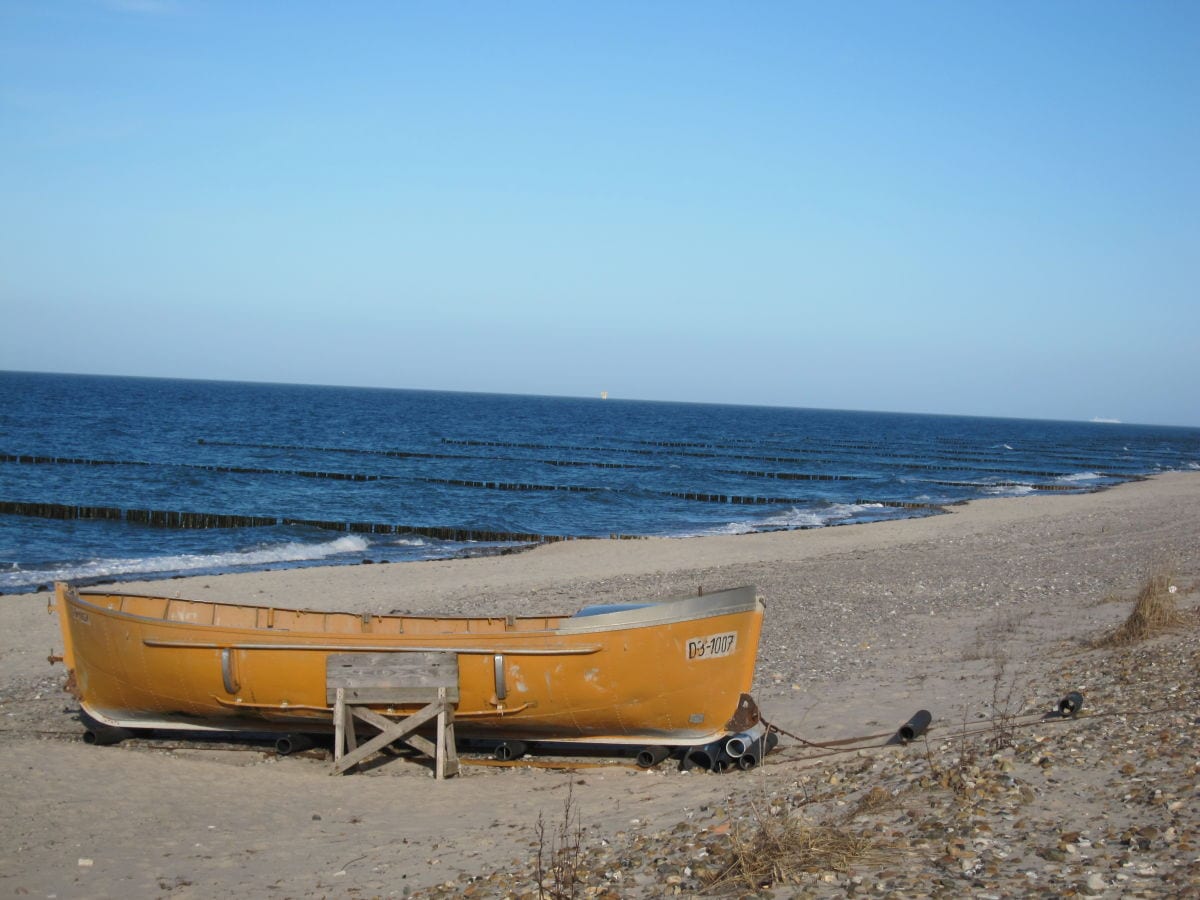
(1193,465)
(727,528)
(1080,476)
(289,552)
(794,518)
(797,518)
(1008,490)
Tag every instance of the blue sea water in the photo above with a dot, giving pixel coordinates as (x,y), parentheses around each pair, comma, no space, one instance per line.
(107,478)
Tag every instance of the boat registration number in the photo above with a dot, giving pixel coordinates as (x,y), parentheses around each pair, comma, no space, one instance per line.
(712,647)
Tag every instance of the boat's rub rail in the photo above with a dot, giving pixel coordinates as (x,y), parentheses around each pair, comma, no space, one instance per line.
(296,707)
(582,650)
(273,707)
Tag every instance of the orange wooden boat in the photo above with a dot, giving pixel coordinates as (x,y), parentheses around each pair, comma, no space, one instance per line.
(675,673)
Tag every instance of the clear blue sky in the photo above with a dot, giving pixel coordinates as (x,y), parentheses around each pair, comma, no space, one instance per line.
(979,208)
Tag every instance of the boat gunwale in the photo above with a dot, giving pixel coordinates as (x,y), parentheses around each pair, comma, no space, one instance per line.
(686,609)
(79,596)
(679,610)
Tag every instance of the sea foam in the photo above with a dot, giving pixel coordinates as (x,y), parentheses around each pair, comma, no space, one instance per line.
(1008,490)
(797,517)
(264,555)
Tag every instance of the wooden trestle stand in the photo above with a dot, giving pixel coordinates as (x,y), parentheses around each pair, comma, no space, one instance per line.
(354,680)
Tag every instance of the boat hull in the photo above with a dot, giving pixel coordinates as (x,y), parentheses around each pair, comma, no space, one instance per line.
(675,673)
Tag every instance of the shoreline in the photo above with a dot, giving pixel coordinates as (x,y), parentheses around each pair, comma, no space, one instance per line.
(594,559)
(918,511)
(863,626)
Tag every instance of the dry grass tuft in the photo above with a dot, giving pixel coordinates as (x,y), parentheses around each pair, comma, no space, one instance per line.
(558,865)
(992,637)
(781,849)
(876,800)
(1155,610)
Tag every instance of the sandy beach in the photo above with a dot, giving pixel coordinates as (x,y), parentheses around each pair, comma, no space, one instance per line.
(990,610)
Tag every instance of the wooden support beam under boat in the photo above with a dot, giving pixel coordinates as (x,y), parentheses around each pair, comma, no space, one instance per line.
(353,680)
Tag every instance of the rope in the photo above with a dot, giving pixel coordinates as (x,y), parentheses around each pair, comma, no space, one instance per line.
(990,726)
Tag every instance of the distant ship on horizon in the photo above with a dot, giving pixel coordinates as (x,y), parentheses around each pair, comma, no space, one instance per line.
(1103,421)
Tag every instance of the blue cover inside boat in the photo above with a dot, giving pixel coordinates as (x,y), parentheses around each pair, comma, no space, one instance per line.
(601,608)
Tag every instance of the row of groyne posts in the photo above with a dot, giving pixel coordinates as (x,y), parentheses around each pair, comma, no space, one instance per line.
(203,520)
(200,520)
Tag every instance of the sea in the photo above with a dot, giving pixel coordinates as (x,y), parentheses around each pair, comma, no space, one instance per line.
(108,479)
